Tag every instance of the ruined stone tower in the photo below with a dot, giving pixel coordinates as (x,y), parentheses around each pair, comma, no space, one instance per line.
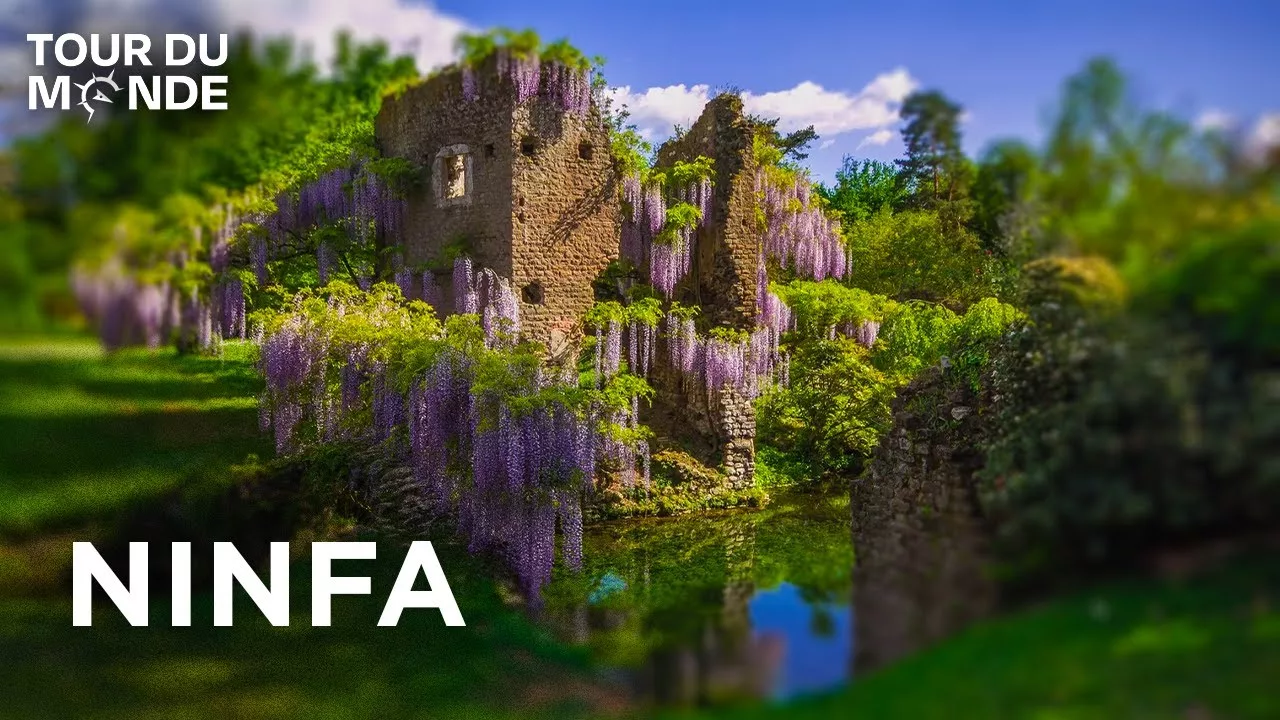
(722,282)
(526,189)
(530,191)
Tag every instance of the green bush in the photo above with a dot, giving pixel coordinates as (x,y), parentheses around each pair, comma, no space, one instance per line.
(1118,433)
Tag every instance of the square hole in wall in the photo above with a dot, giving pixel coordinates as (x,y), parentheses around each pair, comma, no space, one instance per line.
(489,151)
(528,145)
(532,294)
(585,150)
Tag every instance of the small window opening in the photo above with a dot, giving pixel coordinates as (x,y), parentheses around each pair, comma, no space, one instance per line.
(532,293)
(528,146)
(455,176)
(488,150)
(585,150)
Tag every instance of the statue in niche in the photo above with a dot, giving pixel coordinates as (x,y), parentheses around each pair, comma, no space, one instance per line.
(456,173)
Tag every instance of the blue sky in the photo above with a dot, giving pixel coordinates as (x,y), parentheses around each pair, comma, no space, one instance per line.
(1004,61)
(841,65)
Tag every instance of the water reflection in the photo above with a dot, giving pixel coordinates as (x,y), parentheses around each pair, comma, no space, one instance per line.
(817,637)
(701,611)
(922,572)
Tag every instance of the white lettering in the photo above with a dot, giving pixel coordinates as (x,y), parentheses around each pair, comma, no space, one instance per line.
(421,556)
(87,565)
(170,57)
(229,565)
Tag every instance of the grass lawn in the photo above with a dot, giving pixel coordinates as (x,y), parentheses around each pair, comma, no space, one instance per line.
(86,437)
(498,666)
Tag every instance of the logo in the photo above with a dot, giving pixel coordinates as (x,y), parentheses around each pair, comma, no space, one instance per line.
(144,87)
(96,82)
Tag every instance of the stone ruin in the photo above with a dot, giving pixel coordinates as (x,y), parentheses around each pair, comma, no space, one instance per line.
(530,191)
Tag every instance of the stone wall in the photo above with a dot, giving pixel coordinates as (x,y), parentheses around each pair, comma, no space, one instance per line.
(567,217)
(542,208)
(921,569)
(723,278)
(541,205)
(428,118)
(722,282)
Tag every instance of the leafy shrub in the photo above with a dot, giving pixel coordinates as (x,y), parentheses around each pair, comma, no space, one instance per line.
(1119,433)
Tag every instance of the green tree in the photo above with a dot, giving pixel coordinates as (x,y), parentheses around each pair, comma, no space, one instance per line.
(1004,196)
(793,144)
(863,188)
(935,169)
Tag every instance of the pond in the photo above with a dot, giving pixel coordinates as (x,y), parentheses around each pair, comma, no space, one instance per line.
(715,608)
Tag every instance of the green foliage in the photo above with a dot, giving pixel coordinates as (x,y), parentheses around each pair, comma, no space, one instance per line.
(1226,288)
(790,147)
(631,152)
(1136,186)
(684,173)
(777,469)
(1117,436)
(728,335)
(820,306)
(913,255)
(475,48)
(145,183)
(684,312)
(646,311)
(399,174)
(1124,427)
(1057,285)
(915,336)
(835,410)
(865,188)
(1004,190)
(680,217)
(449,252)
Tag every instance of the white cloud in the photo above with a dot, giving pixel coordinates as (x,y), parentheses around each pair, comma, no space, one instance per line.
(1264,136)
(826,144)
(879,137)
(830,112)
(418,29)
(1214,119)
(657,109)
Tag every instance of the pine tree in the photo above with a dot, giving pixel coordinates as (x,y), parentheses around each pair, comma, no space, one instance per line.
(935,171)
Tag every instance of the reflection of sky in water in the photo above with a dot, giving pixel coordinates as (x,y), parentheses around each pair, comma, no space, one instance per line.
(818,639)
(610,584)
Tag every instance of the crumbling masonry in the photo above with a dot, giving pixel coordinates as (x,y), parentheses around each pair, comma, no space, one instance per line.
(531,191)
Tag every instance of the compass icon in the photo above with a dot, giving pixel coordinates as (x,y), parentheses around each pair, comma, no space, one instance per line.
(96,83)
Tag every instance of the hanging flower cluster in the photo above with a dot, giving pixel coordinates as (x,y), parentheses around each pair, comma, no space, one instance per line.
(358,199)
(129,308)
(508,459)
(628,448)
(490,296)
(566,85)
(665,214)
(227,297)
(743,361)
(864,332)
(796,230)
